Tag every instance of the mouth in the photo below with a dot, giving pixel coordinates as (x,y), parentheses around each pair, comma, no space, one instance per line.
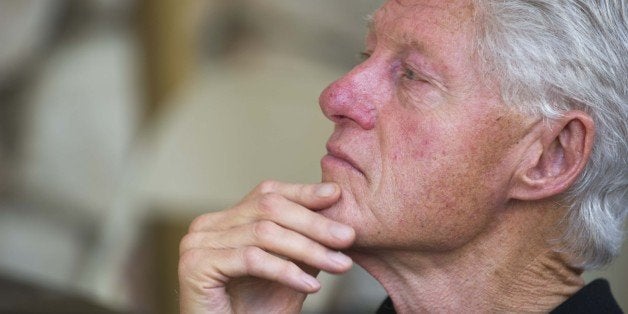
(337,158)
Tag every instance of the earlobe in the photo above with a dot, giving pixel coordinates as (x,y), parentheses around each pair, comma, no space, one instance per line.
(555,158)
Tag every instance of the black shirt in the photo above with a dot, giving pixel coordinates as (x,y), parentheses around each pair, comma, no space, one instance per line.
(596,297)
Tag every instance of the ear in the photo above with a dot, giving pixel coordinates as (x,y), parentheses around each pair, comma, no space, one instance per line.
(556,157)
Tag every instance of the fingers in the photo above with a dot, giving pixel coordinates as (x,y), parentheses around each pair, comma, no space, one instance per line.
(276,208)
(213,269)
(272,238)
(262,237)
(312,196)
(283,210)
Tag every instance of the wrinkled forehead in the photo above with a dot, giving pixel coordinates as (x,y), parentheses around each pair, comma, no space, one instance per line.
(450,16)
(442,31)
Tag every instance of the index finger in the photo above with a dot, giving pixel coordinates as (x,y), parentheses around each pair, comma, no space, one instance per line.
(288,205)
(291,215)
(313,196)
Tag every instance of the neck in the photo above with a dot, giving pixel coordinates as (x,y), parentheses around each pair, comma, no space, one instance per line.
(510,267)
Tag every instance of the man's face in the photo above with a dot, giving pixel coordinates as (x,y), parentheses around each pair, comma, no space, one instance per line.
(423,149)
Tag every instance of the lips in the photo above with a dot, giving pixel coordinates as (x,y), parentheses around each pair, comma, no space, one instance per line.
(336,155)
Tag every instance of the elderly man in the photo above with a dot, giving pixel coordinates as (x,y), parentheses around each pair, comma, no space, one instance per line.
(478,164)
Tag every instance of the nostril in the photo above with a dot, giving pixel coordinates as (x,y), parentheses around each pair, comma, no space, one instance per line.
(341,119)
(338,117)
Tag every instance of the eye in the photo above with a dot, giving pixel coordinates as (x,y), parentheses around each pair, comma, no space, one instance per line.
(410,74)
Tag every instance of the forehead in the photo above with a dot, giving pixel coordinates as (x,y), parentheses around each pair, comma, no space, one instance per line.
(451,15)
(440,30)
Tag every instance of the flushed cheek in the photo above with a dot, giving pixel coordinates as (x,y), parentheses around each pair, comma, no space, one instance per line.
(446,205)
(470,186)
(419,141)
(419,151)
(425,149)
(437,184)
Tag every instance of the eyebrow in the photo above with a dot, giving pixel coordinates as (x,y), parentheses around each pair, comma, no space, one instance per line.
(406,40)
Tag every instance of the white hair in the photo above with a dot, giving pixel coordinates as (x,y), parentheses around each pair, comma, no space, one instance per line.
(551,56)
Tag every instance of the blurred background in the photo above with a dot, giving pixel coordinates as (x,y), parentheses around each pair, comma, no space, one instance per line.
(122,120)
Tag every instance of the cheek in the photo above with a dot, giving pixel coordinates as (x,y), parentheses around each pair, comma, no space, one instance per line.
(406,141)
(415,143)
(415,161)
(439,179)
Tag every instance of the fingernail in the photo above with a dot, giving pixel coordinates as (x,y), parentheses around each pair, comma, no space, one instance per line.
(325,190)
(310,281)
(341,232)
(340,259)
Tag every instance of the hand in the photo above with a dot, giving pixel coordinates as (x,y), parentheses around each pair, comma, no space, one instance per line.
(260,256)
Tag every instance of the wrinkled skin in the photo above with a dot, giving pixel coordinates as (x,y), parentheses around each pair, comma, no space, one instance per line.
(253,257)
(427,139)
(424,159)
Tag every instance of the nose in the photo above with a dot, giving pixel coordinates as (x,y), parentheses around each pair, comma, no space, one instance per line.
(352,98)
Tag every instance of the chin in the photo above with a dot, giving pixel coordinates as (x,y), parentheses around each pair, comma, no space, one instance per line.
(346,210)
(335,212)
(343,211)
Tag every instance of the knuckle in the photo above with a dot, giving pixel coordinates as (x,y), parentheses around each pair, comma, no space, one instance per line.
(186,243)
(189,260)
(198,223)
(265,230)
(252,258)
(205,221)
(190,241)
(268,204)
(267,186)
